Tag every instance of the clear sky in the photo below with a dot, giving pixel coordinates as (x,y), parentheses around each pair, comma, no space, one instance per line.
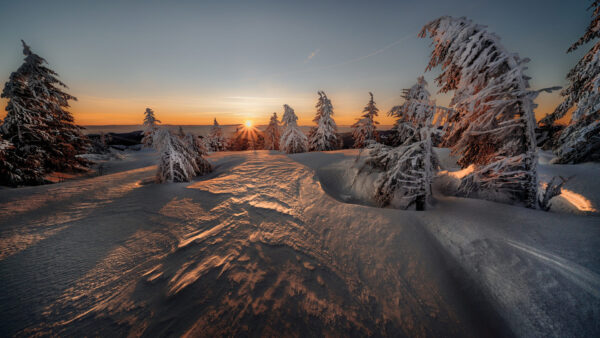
(241,60)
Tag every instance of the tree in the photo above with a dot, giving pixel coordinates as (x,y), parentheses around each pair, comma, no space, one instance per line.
(216,141)
(416,112)
(176,162)
(580,140)
(495,128)
(293,139)
(150,126)
(407,170)
(272,134)
(324,136)
(364,129)
(42,132)
(198,151)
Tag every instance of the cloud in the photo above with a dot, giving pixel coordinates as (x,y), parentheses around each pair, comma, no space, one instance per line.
(312,55)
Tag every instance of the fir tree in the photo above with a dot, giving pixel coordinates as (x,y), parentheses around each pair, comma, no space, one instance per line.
(495,129)
(407,170)
(580,140)
(198,151)
(37,123)
(176,162)
(216,141)
(293,139)
(272,134)
(365,130)
(150,126)
(416,112)
(324,136)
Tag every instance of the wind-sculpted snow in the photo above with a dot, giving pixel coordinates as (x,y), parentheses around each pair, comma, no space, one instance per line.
(259,248)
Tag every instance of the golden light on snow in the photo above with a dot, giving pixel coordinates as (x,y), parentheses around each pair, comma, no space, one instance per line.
(461,173)
(577,200)
(248,124)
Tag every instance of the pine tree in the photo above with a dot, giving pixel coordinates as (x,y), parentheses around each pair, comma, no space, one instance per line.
(580,140)
(216,141)
(365,130)
(176,162)
(495,129)
(37,123)
(407,170)
(324,136)
(272,134)
(293,139)
(416,112)
(150,126)
(198,151)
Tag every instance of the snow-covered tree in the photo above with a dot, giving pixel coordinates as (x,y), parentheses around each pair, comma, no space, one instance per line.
(364,129)
(407,170)
(496,124)
(415,113)
(37,124)
(324,136)
(293,139)
(176,162)
(198,151)
(216,140)
(580,140)
(272,134)
(150,126)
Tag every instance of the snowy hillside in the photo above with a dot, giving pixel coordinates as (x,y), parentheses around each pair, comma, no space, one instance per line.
(268,244)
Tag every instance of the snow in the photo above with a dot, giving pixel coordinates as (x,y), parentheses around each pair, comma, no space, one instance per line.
(266,245)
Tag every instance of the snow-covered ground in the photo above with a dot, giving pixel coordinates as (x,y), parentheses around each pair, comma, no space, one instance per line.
(270,244)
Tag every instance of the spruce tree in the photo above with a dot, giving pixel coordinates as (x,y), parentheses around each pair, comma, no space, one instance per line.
(365,130)
(176,161)
(216,141)
(324,136)
(272,134)
(150,126)
(37,123)
(495,129)
(293,139)
(580,140)
(198,151)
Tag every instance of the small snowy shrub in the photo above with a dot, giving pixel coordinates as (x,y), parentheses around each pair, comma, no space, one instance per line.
(176,162)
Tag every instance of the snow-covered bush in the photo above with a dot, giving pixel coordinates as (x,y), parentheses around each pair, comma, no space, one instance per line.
(37,124)
(198,151)
(406,171)
(293,139)
(580,140)
(216,140)
(495,129)
(150,126)
(272,134)
(176,162)
(365,130)
(324,136)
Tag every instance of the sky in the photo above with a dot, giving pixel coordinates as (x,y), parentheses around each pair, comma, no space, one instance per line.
(192,61)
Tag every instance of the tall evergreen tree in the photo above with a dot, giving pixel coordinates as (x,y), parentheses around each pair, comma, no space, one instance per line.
(293,139)
(580,140)
(272,134)
(495,129)
(150,126)
(407,170)
(364,129)
(37,123)
(324,136)
(216,140)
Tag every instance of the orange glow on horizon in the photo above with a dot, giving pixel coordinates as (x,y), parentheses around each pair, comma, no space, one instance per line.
(106,111)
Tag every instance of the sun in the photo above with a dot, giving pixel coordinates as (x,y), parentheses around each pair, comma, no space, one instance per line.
(248,124)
